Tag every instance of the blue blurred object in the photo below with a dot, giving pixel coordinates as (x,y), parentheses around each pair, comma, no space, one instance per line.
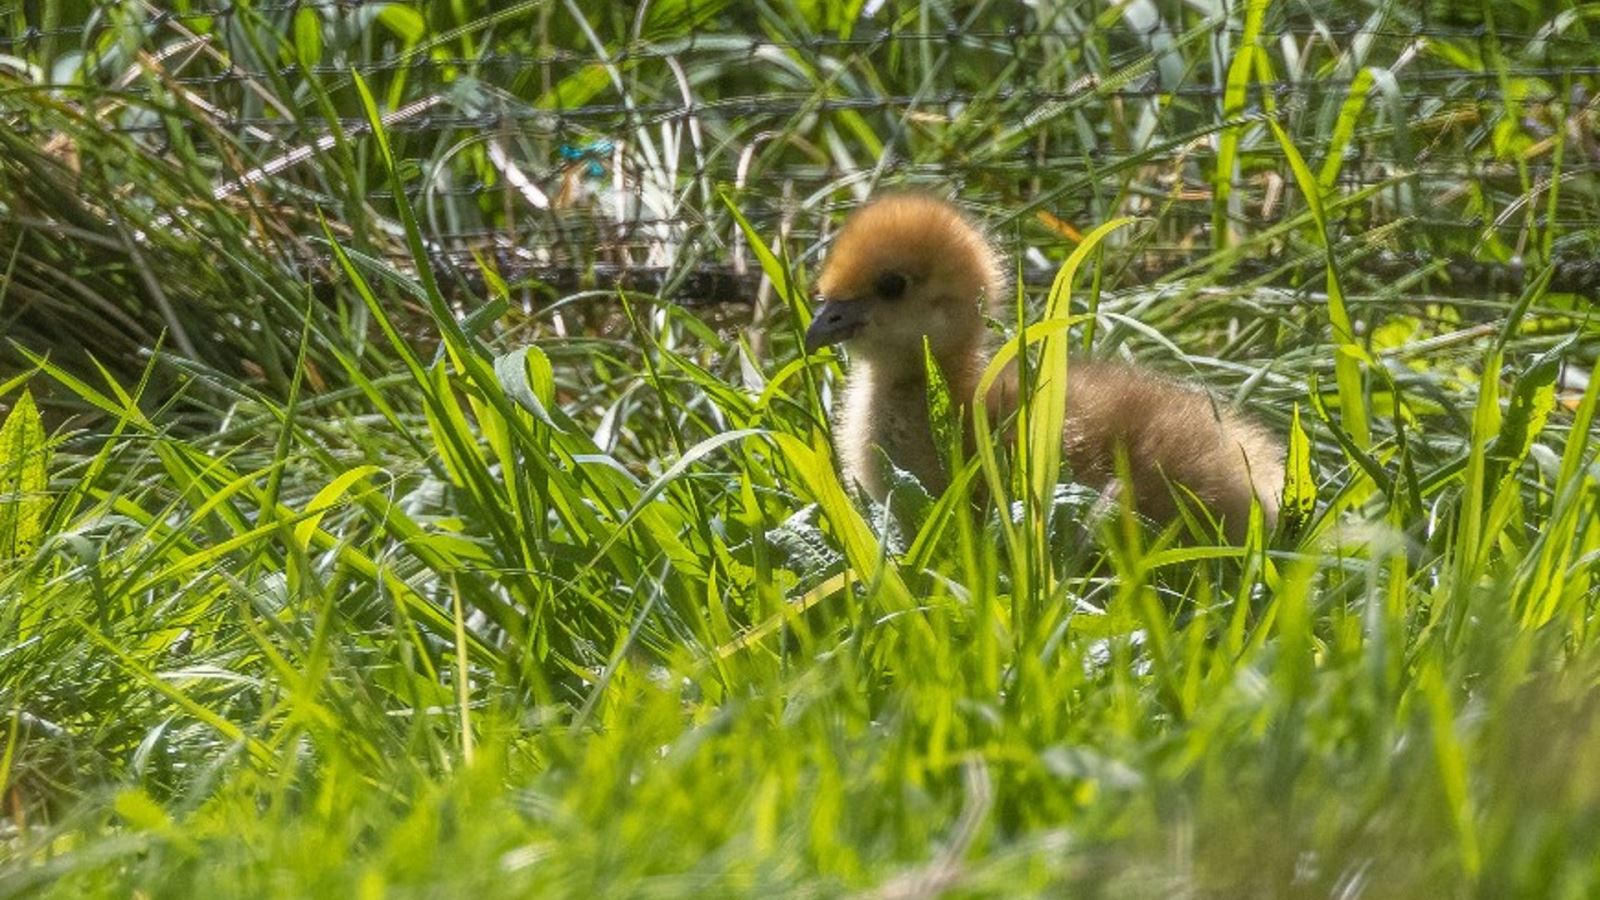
(594,152)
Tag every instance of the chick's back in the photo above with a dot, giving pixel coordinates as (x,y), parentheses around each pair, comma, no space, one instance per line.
(1177,439)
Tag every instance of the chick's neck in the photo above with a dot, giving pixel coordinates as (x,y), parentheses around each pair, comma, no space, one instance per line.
(906,375)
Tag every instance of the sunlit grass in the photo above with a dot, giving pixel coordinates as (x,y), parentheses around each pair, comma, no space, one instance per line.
(378,589)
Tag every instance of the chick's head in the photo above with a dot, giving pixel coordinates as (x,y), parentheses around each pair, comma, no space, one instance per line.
(905,267)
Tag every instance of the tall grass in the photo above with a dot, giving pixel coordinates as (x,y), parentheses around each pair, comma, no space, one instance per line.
(321,575)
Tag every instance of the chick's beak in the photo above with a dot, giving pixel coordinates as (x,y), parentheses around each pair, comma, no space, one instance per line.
(836,320)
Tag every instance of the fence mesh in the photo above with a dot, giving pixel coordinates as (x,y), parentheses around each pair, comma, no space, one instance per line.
(576,144)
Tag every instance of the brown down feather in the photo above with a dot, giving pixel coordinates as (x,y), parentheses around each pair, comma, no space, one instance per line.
(921,268)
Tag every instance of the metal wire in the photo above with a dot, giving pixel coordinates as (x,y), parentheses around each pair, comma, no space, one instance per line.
(1427,89)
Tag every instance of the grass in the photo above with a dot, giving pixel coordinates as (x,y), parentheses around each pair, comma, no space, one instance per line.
(340,556)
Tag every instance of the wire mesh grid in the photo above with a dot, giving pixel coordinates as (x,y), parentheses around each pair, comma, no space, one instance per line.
(596,149)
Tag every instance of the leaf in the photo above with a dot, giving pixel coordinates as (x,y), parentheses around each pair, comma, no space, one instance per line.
(1348,355)
(527,377)
(1235,90)
(690,456)
(802,544)
(1047,411)
(406,23)
(943,418)
(326,498)
(1347,442)
(576,89)
(1344,130)
(815,471)
(1532,401)
(24,479)
(307,37)
(1299,488)
(984,442)
(771,266)
(1486,419)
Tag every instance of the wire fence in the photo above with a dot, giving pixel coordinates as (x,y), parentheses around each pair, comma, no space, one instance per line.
(579,154)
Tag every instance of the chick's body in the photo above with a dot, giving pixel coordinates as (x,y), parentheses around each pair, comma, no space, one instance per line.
(909,267)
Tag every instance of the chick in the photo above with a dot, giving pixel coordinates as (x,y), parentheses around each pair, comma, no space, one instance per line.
(907,267)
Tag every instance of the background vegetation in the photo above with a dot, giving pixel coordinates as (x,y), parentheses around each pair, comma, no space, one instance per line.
(373,523)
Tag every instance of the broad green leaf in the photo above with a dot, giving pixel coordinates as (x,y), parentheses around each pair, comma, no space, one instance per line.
(24,479)
(1299,488)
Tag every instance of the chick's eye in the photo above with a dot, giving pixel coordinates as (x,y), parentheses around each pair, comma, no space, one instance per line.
(891,285)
